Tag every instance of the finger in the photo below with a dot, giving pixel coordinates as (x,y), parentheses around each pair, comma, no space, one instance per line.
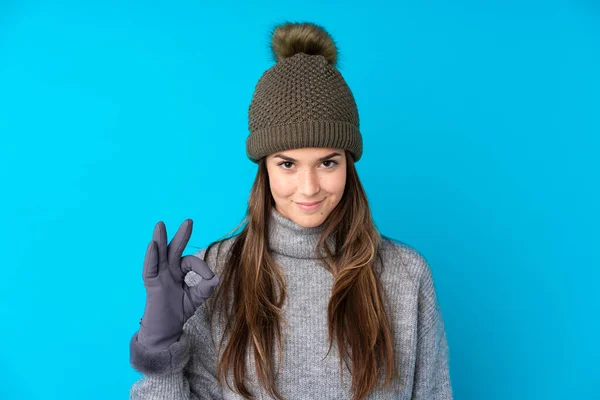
(150,262)
(196,264)
(179,241)
(160,237)
(203,290)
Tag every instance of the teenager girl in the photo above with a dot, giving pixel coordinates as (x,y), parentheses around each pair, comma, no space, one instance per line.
(309,300)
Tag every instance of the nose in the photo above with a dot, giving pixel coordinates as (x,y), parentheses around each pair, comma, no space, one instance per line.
(308,183)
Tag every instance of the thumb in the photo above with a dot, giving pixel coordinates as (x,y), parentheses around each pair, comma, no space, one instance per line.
(203,290)
(196,295)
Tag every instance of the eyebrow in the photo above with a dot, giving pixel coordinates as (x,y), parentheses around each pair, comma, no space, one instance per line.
(327,157)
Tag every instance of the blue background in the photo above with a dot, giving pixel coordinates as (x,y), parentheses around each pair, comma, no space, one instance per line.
(480,123)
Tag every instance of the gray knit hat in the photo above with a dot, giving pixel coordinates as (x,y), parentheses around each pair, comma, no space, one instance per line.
(302,100)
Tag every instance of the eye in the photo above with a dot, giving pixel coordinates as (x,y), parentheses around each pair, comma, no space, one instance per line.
(285,163)
(334,163)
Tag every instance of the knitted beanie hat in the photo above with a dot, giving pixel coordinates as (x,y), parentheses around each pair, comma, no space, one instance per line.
(302,100)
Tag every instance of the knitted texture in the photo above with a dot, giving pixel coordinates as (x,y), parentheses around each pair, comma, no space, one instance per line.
(302,101)
(309,368)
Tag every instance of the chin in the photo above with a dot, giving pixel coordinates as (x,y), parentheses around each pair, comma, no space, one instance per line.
(306,220)
(310,221)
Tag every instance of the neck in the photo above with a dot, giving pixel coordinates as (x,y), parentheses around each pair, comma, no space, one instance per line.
(290,239)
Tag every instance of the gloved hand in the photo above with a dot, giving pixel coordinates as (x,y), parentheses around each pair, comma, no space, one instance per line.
(170,302)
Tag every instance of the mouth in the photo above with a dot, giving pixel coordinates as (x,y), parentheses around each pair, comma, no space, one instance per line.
(309,204)
(310,207)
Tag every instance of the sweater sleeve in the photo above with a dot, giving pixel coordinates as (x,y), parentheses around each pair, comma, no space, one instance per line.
(432,374)
(163,372)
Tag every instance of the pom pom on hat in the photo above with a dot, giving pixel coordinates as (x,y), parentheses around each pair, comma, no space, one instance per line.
(292,38)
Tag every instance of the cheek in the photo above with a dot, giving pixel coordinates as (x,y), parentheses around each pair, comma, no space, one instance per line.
(281,186)
(335,184)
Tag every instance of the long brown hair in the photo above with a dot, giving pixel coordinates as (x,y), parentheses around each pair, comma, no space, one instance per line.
(252,291)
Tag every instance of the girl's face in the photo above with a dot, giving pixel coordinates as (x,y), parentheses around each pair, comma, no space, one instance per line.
(307,175)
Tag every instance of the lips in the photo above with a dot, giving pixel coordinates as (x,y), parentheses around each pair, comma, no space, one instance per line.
(309,204)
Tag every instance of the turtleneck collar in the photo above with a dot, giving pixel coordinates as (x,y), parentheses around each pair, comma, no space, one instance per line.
(290,239)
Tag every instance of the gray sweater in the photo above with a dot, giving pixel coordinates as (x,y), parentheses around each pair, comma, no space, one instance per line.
(420,338)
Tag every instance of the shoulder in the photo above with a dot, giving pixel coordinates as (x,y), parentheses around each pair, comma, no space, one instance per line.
(402,262)
(408,278)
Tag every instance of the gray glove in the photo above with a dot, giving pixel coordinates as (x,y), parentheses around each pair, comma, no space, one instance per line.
(170,302)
